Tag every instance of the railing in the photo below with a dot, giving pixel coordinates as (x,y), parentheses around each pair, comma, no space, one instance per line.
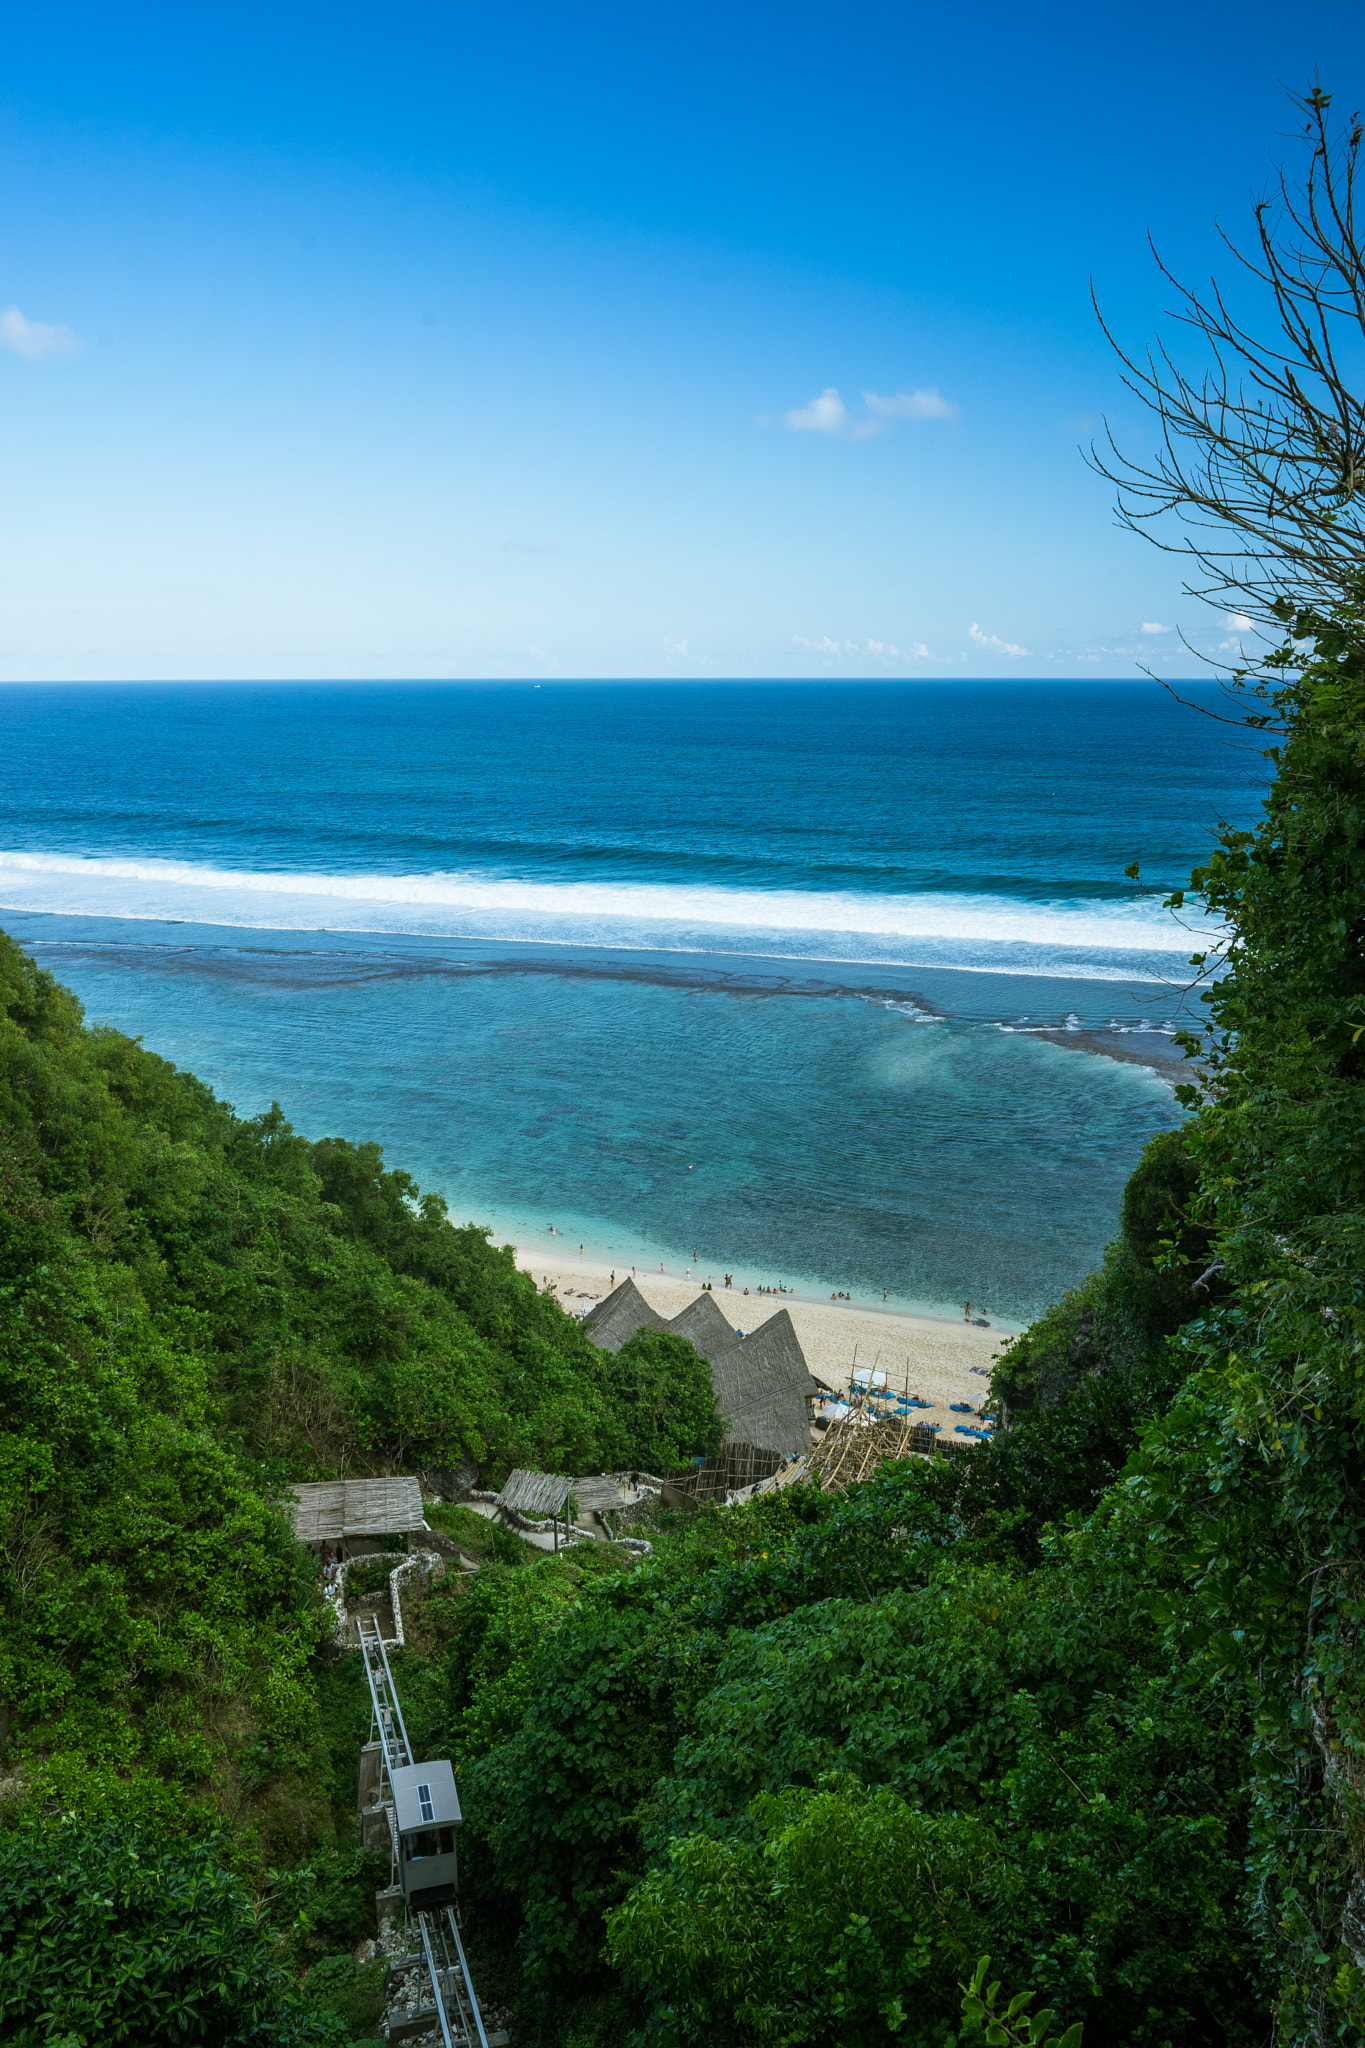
(387,1716)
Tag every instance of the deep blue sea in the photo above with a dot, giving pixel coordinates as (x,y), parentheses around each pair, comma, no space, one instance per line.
(752,970)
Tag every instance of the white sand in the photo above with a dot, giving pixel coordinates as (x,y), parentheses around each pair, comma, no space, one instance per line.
(935,1359)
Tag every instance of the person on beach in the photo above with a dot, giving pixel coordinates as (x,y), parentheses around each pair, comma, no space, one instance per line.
(967,1312)
(613,1276)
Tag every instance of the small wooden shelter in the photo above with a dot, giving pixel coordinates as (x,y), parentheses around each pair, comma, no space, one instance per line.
(357,1510)
(539,1496)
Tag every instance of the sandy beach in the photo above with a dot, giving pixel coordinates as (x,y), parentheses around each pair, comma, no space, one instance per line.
(943,1362)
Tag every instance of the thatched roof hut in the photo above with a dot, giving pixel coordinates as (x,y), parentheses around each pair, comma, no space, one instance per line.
(762,1381)
(703,1323)
(333,1510)
(763,1388)
(615,1321)
(539,1495)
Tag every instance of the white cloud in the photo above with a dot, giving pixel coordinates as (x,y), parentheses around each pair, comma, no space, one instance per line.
(826,414)
(34,338)
(826,646)
(886,650)
(678,650)
(1151,626)
(1238,622)
(910,405)
(996,646)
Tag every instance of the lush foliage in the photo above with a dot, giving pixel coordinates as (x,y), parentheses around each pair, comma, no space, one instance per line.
(109,1936)
(1253,1485)
(843,1914)
(1010,2025)
(847,1686)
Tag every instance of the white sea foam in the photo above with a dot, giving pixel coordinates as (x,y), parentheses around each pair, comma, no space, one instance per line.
(972,930)
(904,1007)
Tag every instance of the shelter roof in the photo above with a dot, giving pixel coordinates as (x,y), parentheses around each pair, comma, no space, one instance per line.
(761,1382)
(703,1323)
(357,1507)
(762,1386)
(537,1494)
(602,1492)
(614,1321)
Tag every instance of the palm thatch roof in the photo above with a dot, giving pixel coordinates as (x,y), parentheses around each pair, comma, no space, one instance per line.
(763,1386)
(337,1508)
(704,1324)
(538,1495)
(615,1321)
(604,1493)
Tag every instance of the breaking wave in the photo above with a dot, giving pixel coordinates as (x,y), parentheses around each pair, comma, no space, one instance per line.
(1089,940)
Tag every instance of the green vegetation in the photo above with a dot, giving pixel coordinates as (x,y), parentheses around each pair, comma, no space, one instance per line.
(984,2014)
(106,1936)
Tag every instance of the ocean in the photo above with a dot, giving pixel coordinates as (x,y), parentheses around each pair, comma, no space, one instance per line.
(804,980)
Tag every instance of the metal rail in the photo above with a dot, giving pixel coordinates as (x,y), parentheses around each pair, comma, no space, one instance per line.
(457,2009)
(387,1718)
(456,2013)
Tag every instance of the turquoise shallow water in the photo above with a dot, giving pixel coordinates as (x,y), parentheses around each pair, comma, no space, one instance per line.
(752,973)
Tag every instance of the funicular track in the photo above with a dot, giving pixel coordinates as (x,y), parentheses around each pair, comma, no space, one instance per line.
(455,2014)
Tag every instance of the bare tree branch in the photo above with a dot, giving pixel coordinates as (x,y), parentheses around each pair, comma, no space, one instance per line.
(1260,457)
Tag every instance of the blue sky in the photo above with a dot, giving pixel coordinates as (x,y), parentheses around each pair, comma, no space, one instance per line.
(603,341)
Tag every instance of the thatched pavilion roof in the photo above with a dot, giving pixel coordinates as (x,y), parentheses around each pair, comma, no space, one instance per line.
(614,1321)
(703,1323)
(763,1385)
(334,1508)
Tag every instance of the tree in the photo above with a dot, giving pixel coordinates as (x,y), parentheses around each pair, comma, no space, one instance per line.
(113,1936)
(1252,1480)
(1261,454)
